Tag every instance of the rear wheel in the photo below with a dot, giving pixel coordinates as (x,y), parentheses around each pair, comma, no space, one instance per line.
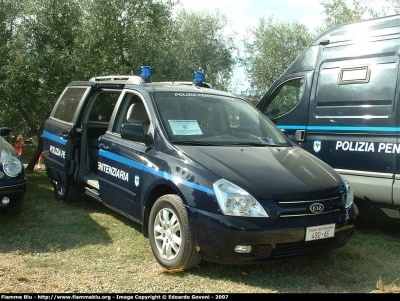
(68,194)
(171,236)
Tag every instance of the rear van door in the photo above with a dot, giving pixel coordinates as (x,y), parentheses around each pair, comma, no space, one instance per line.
(60,132)
(121,161)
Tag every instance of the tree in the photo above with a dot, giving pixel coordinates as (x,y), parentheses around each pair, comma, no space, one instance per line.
(40,63)
(341,11)
(269,50)
(395,5)
(9,13)
(199,43)
(120,37)
(8,17)
(48,43)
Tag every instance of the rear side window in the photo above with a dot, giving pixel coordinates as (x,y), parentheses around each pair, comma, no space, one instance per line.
(66,106)
(285,98)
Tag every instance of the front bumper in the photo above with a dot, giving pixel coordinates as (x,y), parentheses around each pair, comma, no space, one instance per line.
(217,235)
(15,193)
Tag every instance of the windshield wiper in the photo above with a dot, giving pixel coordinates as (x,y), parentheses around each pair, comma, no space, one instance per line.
(246,144)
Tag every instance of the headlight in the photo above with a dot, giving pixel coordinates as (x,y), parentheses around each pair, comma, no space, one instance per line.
(12,166)
(235,201)
(349,193)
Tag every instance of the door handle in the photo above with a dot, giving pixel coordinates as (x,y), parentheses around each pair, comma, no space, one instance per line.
(64,136)
(300,135)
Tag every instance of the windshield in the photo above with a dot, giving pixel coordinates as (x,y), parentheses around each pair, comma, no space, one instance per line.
(207,119)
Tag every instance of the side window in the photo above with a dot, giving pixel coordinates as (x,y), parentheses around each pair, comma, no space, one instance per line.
(132,111)
(285,98)
(103,106)
(67,104)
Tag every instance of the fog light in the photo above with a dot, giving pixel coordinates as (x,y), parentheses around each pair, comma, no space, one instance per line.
(243,249)
(5,201)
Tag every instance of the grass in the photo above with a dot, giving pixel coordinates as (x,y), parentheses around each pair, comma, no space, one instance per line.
(53,247)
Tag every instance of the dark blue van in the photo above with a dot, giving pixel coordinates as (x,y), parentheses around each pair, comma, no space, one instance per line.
(339,100)
(203,171)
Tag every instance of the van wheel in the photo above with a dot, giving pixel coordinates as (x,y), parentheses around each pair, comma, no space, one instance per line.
(170,235)
(67,194)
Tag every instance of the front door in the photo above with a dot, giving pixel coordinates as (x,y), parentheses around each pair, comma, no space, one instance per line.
(286,104)
(121,161)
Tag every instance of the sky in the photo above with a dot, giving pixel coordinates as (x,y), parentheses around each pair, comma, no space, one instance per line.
(245,14)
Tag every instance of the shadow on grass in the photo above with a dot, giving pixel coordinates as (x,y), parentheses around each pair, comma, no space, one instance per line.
(47,223)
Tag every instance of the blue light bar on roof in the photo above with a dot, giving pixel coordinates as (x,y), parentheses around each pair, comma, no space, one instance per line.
(145,73)
(198,78)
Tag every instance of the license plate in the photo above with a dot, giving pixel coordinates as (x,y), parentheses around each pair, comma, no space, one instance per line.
(320,232)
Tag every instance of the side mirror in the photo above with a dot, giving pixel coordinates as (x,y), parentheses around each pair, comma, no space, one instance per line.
(134,132)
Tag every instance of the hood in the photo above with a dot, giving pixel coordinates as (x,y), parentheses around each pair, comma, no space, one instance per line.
(268,172)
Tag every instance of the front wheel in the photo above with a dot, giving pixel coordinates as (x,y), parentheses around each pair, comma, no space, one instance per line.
(170,235)
(68,193)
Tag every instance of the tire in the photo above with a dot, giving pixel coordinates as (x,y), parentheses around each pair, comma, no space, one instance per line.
(69,194)
(170,235)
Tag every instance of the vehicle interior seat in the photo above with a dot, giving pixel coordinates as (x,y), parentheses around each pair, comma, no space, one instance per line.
(137,114)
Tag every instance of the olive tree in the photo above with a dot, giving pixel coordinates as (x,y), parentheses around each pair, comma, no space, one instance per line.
(269,49)
(56,42)
(40,62)
(200,42)
(123,35)
(341,11)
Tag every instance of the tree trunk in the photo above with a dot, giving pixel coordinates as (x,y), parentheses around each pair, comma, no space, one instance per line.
(36,154)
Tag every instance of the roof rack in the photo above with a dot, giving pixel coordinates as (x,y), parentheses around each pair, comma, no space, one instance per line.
(129,79)
(187,83)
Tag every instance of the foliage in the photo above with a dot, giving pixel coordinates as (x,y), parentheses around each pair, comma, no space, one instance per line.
(48,43)
(8,17)
(120,37)
(339,12)
(395,5)
(269,50)
(40,64)
(200,43)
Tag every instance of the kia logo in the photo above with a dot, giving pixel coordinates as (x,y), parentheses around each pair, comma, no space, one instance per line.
(316,208)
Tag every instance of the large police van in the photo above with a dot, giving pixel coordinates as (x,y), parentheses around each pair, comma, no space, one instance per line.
(205,173)
(339,100)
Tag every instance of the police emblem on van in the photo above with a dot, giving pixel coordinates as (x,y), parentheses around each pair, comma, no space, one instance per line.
(317,146)
(316,208)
